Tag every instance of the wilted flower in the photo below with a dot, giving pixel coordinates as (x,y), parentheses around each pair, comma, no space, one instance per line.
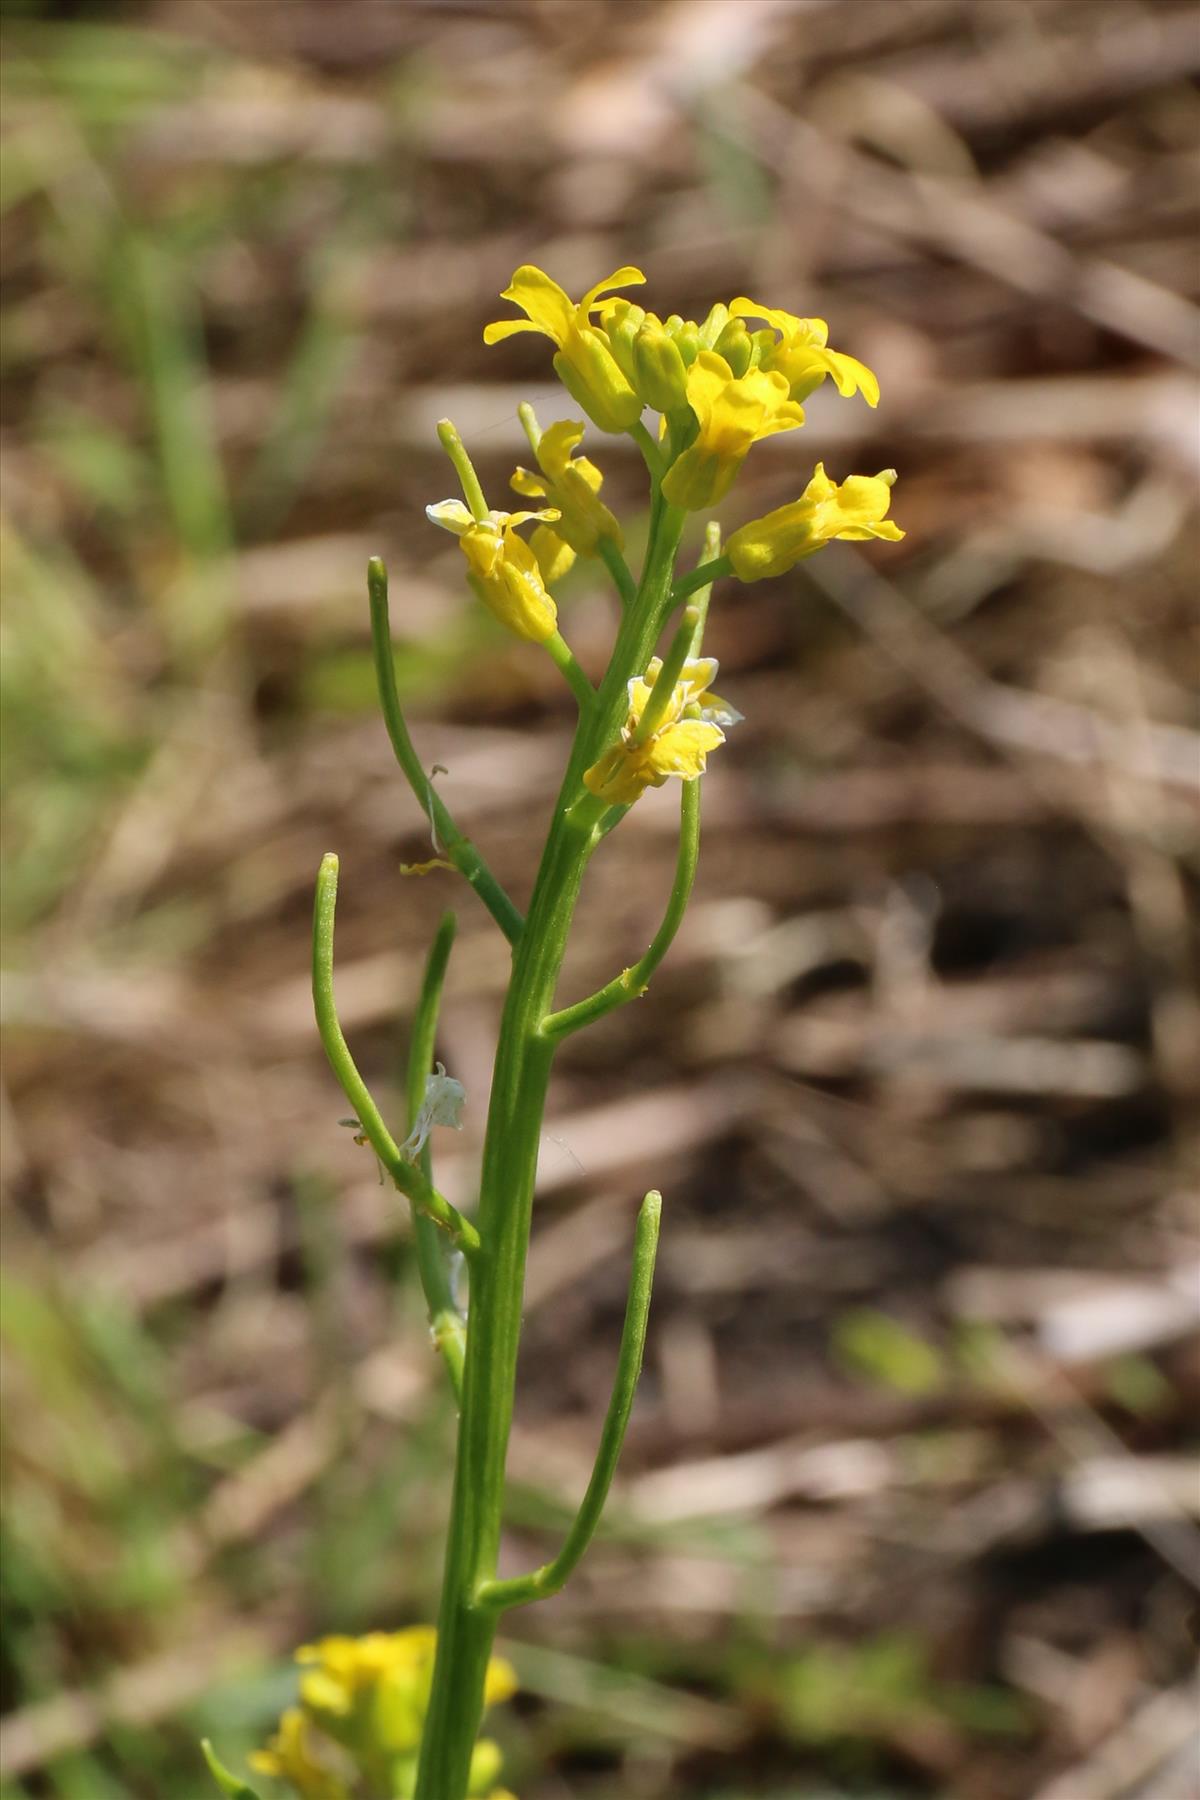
(572,484)
(690,726)
(504,569)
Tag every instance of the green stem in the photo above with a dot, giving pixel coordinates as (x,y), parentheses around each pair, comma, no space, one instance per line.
(446,1322)
(577,681)
(498,1596)
(619,569)
(519,1082)
(411,1180)
(447,837)
(650,451)
(704,574)
(633,982)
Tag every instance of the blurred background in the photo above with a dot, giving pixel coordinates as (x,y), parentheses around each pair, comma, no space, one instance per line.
(909,1502)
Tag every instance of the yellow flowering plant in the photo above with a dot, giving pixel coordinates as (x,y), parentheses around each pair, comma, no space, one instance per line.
(396,1716)
(355,1733)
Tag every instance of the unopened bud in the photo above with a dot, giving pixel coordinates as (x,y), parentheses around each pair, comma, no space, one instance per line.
(735,346)
(686,335)
(622,321)
(660,374)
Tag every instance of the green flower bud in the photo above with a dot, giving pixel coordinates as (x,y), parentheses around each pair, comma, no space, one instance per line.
(735,346)
(713,326)
(660,374)
(622,322)
(686,334)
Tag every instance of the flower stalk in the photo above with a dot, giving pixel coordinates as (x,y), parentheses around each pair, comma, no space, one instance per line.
(652,716)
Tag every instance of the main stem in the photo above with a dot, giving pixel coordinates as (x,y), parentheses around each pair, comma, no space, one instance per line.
(519,1082)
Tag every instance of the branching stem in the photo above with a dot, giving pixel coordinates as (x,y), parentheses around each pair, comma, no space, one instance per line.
(577,681)
(620,571)
(498,1596)
(446,835)
(650,451)
(703,575)
(631,983)
(410,1179)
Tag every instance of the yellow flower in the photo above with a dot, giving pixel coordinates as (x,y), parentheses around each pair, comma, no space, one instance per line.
(368,1696)
(504,569)
(500,1682)
(584,363)
(732,412)
(288,1757)
(370,1693)
(689,728)
(801,354)
(572,484)
(856,509)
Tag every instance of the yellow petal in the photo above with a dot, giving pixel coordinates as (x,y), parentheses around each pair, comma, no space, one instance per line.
(544,303)
(820,487)
(863,499)
(524,481)
(556,444)
(682,748)
(451,515)
(851,376)
(326,1693)
(500,1683)
(554,556)
(483,548)
(506,328)
(619,776)
(707,380)
(789,416)
(785,322)
(627,276)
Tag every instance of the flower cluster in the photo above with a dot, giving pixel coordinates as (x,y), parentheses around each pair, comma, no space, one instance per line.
(719,385)
(357,1730)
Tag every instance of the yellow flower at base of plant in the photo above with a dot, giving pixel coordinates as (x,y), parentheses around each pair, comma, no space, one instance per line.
(679,745)
(775,543)
(802,354)
(288,1757)
(362,1711)
(349,1676)
(584,363)
(504,569)
(572,484)
(732,412)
